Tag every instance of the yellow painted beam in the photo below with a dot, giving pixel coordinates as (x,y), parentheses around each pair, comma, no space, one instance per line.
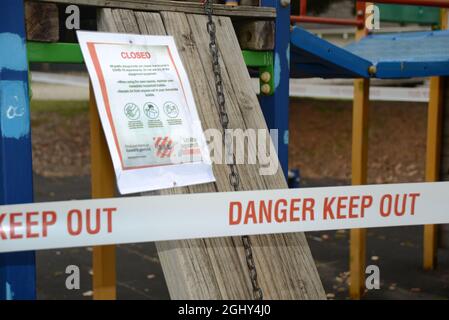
(103,186)
(357,252)
(444,19)
(359,176)
(434,123)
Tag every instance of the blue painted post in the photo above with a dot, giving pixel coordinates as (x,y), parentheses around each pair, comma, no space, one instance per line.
(17,270)
(276,106)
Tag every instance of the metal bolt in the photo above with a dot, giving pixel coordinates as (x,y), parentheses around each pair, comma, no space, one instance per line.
(265,88)
(285,3)
(265,76)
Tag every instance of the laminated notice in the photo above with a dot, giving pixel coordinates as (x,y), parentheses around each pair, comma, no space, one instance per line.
(147,111)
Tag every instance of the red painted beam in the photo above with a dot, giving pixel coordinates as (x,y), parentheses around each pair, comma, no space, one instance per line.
(325,20)
(429,3)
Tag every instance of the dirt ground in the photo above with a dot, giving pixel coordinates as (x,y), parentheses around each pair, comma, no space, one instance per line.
(320,140)
(320,146)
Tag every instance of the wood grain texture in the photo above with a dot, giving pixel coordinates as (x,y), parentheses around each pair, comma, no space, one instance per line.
(42,21)
(174,6)
(216,268)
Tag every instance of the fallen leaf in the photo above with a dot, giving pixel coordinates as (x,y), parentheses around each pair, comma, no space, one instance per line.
(88,293)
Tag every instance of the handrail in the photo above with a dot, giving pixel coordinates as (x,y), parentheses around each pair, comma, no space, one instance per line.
(326,20)
(426,3)
(303,17)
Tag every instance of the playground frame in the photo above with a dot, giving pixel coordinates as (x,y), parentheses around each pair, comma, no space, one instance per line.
(17,270)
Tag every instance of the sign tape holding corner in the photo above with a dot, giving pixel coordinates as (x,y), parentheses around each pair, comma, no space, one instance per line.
(156,218)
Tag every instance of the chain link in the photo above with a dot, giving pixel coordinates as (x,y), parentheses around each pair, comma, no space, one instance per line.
(234,177)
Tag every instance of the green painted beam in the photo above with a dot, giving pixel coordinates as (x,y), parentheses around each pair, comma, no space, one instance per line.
(258,58)
(54,52)
(71,53)
(409,14)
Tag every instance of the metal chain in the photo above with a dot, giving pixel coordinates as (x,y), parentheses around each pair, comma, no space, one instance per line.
(234,177)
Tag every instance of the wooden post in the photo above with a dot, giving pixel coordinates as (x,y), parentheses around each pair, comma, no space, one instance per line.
(434,120)
(359,171)
(359,174)
(103,186)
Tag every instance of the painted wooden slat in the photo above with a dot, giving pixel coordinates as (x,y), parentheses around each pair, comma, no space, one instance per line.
(103,186)
(17,270)
(436,107)
(357,252)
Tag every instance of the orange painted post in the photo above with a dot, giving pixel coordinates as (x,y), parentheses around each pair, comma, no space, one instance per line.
(103,186)
(434,123)
(359,173)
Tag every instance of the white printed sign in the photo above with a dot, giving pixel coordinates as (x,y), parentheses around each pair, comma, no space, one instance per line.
(156,218)
(147,110)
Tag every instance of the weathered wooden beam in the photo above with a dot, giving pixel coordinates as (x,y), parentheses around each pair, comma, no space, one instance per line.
(255,35)
(174,6)
(216,268)
(42,21)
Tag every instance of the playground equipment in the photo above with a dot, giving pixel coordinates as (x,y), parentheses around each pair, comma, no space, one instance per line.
(421,54)
(223,262)
(310,57)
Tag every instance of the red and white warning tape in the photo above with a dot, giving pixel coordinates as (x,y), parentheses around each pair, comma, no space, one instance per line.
(155,218)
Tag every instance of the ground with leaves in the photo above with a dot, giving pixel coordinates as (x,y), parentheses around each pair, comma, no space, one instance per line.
(320,140)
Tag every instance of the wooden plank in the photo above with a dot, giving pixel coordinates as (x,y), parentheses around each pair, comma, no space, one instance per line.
(255,35)
(103,186)
(42,21)
(359,176)
(174,6)
(360,109)
(254,119)
(216,268)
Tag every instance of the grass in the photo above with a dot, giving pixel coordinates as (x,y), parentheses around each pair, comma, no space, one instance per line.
(65,108)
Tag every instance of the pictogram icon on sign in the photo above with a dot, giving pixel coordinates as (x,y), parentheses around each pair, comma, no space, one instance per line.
(132,111)
(151,110)
(171,109)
